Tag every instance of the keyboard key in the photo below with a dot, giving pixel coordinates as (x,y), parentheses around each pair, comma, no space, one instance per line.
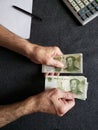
(93,11)
(77,8)
(73,4)
(78,1)
(94,4)
(84,17)
(81,5)
(96,8)
(90,6)
(83,11)
(86,2)
(88,13)
(91,0)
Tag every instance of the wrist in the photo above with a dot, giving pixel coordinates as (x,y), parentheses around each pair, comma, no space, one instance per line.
(29,106)
(30,49)
(32,52)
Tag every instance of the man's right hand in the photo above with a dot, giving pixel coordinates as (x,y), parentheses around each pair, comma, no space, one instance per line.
(53,101)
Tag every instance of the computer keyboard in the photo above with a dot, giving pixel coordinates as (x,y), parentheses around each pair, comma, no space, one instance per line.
(83,10)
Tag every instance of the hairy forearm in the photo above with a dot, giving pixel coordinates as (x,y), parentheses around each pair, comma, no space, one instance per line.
(14,42)
(36,53)
(9,113)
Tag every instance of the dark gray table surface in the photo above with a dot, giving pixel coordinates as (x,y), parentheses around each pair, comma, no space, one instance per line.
(20,78)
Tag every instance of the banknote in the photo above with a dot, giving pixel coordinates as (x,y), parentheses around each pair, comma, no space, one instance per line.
(73,63)
(75,84)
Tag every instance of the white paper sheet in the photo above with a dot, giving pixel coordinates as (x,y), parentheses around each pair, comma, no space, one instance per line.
(14,20)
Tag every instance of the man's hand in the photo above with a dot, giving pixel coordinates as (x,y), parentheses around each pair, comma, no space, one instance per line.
(45,55)
(36,53)
(53,101)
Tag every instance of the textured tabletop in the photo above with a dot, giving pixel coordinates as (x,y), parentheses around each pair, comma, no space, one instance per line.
(20,78)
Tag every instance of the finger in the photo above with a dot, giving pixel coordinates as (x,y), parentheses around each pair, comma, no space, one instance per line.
(46,74)
(63,101)
(57,49)
(56,63)
(53,74)
(60,94)
(60,53)
(56,74)
(49,74)
(65,106)
(69,99)
(62,106)
(69,104)
(69,95)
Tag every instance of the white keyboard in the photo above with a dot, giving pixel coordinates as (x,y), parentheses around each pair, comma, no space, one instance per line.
(83,10)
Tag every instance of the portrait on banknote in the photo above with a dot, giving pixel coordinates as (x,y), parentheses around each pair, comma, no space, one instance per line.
(72,64)
(78,87)
(75,86)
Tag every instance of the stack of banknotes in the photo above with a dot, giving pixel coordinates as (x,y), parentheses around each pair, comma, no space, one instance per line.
(73,64)
(75,84)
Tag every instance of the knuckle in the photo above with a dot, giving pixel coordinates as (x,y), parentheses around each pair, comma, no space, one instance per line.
(60,115)
(53,92)
(61,112)
(56,91)
(73,103)
(56,48)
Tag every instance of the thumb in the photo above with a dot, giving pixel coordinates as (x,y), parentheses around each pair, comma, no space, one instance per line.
(56,63)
